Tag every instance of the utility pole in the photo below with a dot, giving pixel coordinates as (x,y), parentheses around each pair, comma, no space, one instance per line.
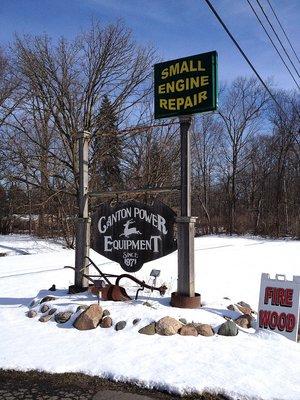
(185,296)
(83,222)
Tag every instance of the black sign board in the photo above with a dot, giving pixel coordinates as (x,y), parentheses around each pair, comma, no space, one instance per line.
(186,85)
(132,233)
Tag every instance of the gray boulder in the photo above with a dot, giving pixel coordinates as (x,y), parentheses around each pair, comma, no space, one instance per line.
(31,314)
(228,328)
(45,318)
(148,329)
(63,317)
(47,298)
(44,308)
(105,313)
(82,307)
(120,325)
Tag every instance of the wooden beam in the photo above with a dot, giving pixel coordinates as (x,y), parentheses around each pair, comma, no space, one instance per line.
(135,191)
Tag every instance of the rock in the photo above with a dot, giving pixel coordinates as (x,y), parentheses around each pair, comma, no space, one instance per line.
(32,303)
(228,328)
(243,304)
(244,309)
(105,313)
(204,329)
(47,298)
(52,311)
(120,325)
(188,330)
(106,322)
(232,307)
(244,321)
(53,288)
(44,308)
(148,329)
(45,318)
(89,319)
(63,317)
(147,304)
(31,314)
(82,307)
(136,321)
(168,326)
(183,321)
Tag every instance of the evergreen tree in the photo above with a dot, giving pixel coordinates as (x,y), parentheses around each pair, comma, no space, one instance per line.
(108,149)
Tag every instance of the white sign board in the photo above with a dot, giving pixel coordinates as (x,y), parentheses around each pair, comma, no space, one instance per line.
(279,302)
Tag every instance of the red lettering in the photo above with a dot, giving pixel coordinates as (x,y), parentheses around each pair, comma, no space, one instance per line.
(290,322)
(289,297)
(273,320)
(281,322)
(268,294)
(279,296)
(264,317)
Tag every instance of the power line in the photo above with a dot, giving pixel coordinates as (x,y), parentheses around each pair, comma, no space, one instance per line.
(243,53)
(283,30)
(278,38)
(274,45)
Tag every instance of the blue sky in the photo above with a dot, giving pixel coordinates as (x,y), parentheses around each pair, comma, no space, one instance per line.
(176,28)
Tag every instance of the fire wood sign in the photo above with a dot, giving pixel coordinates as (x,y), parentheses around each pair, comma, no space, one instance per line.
(279,302)
(133,233)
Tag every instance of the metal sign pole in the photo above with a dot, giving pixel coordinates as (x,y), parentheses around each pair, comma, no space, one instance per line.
(185,296)
(83,222)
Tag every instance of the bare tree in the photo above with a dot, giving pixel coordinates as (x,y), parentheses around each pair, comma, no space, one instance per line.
(241,111)
(206,137)
(62,88)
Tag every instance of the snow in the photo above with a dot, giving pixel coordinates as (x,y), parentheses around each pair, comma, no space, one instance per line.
(254,364)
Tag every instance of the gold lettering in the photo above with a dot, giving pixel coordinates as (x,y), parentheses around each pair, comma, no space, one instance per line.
(194,82)
(184,67)
(162,88)
(180,85)
(170,86)
(200,66)
(202,96)
(204,80)
(192,68)
(172,105)
(188,102)
(174,69)
(163,103)
(165,73)
(179,102)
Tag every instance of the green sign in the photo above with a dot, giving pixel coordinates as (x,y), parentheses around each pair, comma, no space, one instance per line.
(186,85)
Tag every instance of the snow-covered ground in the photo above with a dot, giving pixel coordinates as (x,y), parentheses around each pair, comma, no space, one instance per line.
(12,245)
(253,364)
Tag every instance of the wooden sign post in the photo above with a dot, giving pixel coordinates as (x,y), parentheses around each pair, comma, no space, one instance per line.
(83,222)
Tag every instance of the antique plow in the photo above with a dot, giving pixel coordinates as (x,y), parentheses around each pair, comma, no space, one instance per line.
(115,292)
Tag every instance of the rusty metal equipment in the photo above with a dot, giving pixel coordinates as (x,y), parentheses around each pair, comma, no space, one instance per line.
(108,291)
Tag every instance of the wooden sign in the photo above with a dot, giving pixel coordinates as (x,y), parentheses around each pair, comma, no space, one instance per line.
(279,302)
(186,85)
(133,233)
